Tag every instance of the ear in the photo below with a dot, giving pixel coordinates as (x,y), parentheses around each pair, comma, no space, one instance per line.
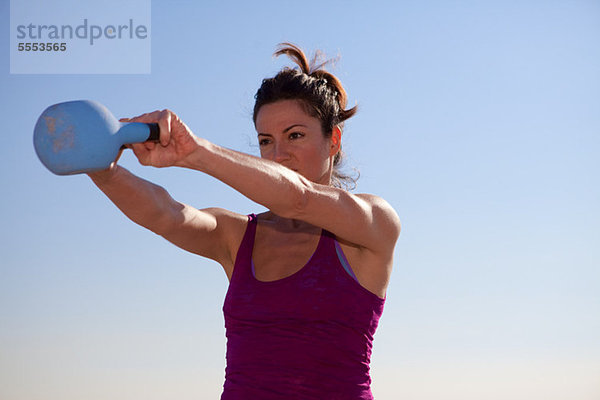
(336,141)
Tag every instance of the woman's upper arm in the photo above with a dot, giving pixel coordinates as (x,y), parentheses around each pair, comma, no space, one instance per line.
(363,219)
(212,232)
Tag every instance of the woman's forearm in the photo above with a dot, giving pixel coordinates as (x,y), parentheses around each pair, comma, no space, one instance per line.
(264,181)
(142,201)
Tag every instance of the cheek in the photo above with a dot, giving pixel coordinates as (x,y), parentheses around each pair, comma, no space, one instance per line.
(325,153)
(264,152)
(320,160)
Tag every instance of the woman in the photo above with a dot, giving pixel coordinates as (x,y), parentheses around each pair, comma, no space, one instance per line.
(308,277)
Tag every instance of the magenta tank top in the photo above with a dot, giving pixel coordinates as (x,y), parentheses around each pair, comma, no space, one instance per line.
(306,336)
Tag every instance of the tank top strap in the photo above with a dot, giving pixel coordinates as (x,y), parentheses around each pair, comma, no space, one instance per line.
(243,258)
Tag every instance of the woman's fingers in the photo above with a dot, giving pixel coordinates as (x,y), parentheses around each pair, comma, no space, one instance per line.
(162,153)
(164,126)
(119,154)
(163,118)
(147,117)
(141,152)
(112,164)
(149,145)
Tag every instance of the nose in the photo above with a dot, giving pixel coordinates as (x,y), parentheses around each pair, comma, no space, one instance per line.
(280,152)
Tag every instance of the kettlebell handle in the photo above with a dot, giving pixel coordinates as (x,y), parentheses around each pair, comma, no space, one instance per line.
(154,133)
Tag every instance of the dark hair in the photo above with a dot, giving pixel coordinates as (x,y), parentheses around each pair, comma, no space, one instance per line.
(320,94)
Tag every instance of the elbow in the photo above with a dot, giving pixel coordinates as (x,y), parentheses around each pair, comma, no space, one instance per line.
(166,218)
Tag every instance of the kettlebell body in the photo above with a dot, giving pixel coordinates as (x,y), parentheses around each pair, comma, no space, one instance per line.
(83,136)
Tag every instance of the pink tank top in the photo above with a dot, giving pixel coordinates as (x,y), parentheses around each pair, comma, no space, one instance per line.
(306,336)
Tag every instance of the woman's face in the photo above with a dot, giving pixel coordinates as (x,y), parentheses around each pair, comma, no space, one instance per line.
(294,139)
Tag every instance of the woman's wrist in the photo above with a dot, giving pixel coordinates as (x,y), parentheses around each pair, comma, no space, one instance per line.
(105,176)
(197,158)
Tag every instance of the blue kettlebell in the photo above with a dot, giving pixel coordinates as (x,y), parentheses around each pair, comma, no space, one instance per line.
(83,136)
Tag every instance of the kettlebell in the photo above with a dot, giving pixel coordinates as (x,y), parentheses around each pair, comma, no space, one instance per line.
(83,136)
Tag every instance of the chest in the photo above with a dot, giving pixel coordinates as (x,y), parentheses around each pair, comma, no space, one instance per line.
(277,255)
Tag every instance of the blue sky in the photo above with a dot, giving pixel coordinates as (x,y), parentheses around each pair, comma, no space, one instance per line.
(478,122)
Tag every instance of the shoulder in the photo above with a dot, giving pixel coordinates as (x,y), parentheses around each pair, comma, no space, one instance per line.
(226,220)
(366,220)
(374,265)
(232,225)
(376,201)
(230,229)
(373,199)
(383,215)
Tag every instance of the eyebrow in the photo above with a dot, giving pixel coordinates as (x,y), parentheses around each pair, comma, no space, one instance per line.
(284,131)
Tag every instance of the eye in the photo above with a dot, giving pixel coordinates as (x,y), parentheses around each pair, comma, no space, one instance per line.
(263,142)
(296,135)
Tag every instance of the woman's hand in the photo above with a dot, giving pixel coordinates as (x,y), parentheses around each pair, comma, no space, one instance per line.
(177,141)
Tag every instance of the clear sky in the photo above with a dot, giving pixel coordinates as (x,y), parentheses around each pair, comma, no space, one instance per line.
(479,122)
